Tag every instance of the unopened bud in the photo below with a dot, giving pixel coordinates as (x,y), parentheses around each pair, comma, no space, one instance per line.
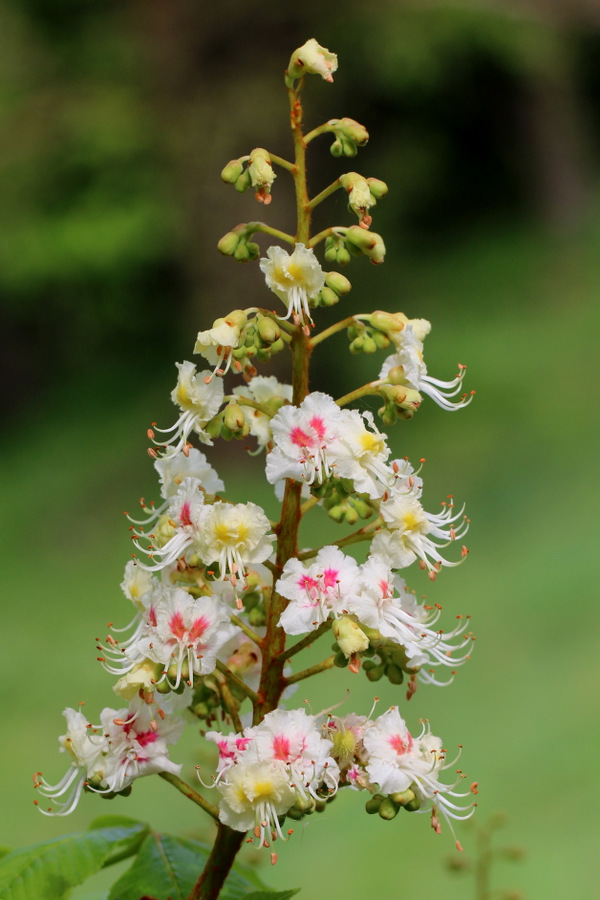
(311,59)
(373,803)
(327,297)
(261,174)
(388,809)
(233,417)
(233,170)
(367,242)
(377,187)
(268,330)
(228,243)
(338,283)
(349,635)
(243,182)
(241,252)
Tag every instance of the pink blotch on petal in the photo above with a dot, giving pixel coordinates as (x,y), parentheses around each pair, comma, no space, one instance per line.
(198,628)
(301,438)
(398,744)
(281,747)
(319,426)
(331,577)
(177,625)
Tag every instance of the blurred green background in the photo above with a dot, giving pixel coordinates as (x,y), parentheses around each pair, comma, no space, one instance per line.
(484,120)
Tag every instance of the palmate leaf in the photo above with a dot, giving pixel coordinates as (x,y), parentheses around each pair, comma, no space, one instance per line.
(49,870)
(168,867)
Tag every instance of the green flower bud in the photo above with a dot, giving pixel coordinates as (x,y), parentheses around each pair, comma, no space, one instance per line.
(268,329)
(402,798)
(394,674)
(276,347)
(343,256)
(327,297)
(228,243)
(233,170)
(388,809)
(253,250)
(337,148)
(213,426)
(336,513)
(234,417)
(374,674)
(369,345)
(377,187)
(241,252)
(373,803)
(367,242)
(341,660)
(243,182)
(338,283)
(381,339)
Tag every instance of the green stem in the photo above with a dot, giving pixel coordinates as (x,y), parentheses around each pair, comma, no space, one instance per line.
(308,505)
(370,388)
(327,232)
(321,129)
(308,640)
(218,865)
(333,329)
(284,163)
(191,794)
(327,192)
(246,401)
(254,637)
(230,703)
(252,227)
(235,679)
(312,670)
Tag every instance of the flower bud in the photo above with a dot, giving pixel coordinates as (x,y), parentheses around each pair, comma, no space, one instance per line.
(228,243)
(261,174)
(327,297)
(372,805)
(142,677)
(338,283)
(311,59)
(241,252)
(394,674)
(351,129)
(349,635)
(403,798)
(388,809)
(243,182)
(233,170)
(360,198)
(377,187)
(234,418)
(366,242)
(268,329)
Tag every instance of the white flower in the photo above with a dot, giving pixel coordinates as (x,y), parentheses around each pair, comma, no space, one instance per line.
(389,743)
(216,343)
(409,529)
(184,634)
(254,795)
(86,747)
(383,601)
(316,590)
(178,530)
(295,278)
(266,390)
(193,464)
(106,758)
(137,745)
(363,453)
(306,440)
(235,534)
(199,397)
(409,358)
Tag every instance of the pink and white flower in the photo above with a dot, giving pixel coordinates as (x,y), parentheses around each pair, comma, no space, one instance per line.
(306,441)
(316,591)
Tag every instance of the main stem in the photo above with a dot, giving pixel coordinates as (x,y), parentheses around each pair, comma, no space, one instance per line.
(272,682)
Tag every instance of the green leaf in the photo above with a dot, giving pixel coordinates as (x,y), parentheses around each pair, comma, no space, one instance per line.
(50,869)
(168,867)
(272,895)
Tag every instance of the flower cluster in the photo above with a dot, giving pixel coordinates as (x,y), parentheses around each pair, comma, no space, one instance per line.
(218,589)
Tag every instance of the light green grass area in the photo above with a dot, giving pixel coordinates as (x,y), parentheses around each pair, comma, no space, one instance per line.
(522,310)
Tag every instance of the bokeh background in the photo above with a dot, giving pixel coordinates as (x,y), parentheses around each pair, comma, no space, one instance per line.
(484,118)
